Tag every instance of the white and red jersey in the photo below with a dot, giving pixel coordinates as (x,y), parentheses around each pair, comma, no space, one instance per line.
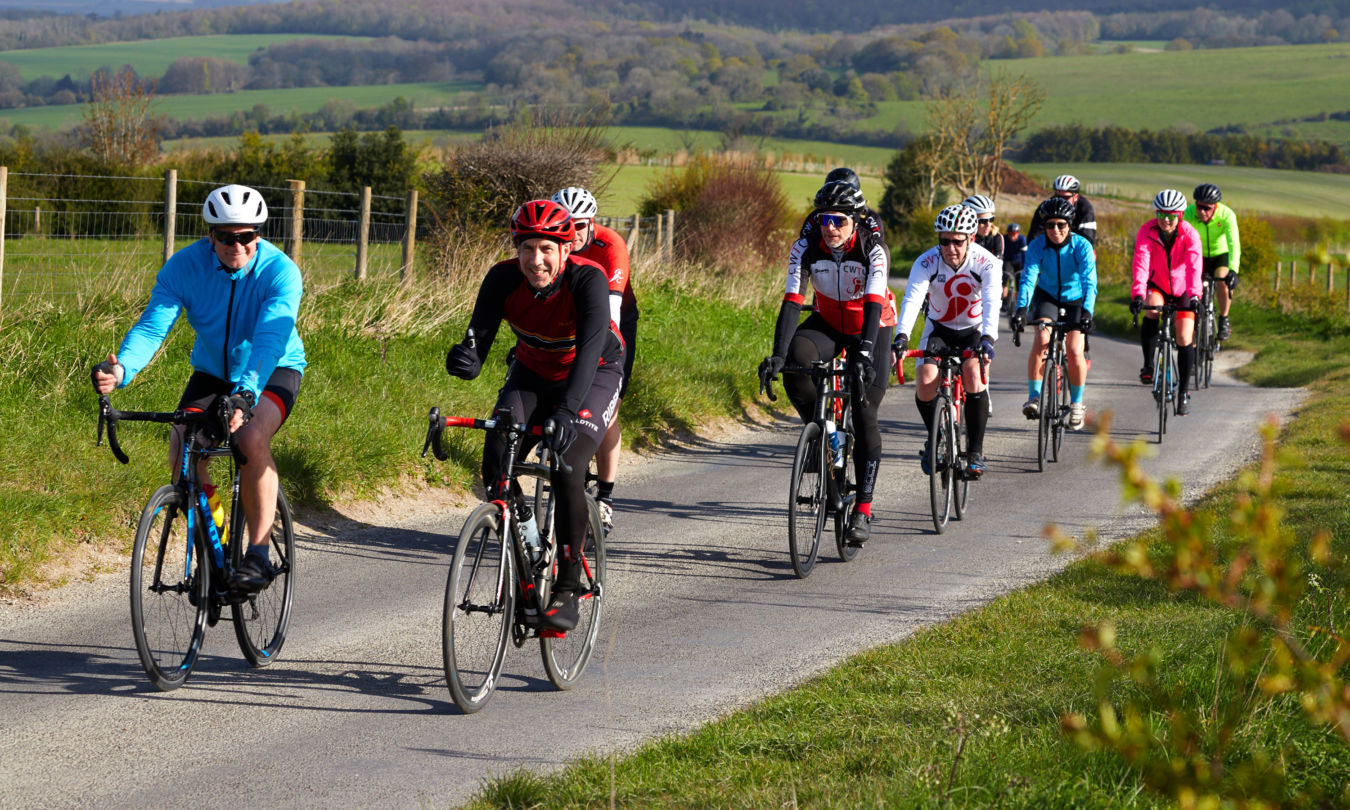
(608,250)
(958,299)
(842,280)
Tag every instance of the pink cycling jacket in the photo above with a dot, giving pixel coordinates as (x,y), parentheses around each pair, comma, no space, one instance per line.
(1176,273)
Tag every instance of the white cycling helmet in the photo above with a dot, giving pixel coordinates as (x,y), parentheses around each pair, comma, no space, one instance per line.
(1067,182)
(579,202)
(980,204)
(1169,199)
(234,205)
(955,219)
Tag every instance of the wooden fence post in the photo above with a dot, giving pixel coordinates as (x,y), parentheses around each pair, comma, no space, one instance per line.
(296,234)
(633,236)
(4,205)
(1293,273)
(660,238)
(170,210)
(1330,283)
(409,236)
(37,221)
(363,234)
(1279,271)
(670,234)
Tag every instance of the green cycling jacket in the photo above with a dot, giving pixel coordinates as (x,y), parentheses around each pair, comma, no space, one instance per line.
(1219,235)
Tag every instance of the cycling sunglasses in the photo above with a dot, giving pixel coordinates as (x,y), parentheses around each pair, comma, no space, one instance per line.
(1203,207)
(231,239)
(1168,216)
(946,242)
(833,220)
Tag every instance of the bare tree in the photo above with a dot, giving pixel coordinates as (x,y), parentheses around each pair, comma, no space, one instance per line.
(120,124)
(969,138)
(1013,102)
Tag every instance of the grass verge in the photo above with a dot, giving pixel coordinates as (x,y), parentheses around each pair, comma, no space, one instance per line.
(376,356)
(967,713)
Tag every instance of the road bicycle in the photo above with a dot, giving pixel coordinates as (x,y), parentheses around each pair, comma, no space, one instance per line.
(823,481)
(948,479)
(1164,352)
(181,565)
(500,578)
(1206,336)
(1054,410)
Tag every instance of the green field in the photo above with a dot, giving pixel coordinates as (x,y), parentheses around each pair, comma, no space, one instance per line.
(299,99)
(630,185)
(148,57)
(1272,191)
(1198,90)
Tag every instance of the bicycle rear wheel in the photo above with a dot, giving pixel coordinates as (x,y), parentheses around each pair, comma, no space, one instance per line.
(960,483)
(479,606)
(806,500)
(260,623)
(1205,366)
(941,462)
(846,487)
(565,657)
(170,586)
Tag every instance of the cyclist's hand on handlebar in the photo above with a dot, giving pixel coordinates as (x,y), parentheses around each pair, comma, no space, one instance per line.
(1193,303)
(561,432)
(898,347)
(1231,280)
(1085,320)
(1018,320)
(987,346)
(462,359)
(863,372)
(106,375)
(768,370)
(1136,305)
(241,409)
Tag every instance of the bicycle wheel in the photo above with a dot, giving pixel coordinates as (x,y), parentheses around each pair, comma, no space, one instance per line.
(1049,401)
(806,500)
(1061,403)
(1205,366)
(960,483)
(260,623)
(479,606)
(170,586)
(941,462)
(846,487)
(566,656)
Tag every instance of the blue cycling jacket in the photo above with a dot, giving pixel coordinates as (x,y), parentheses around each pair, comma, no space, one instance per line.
(251,313)
(1066,273)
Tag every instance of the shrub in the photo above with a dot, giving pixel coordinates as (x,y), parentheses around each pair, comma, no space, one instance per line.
(734,216)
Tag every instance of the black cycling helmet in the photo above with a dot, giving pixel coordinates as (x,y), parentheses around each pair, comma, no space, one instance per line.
(1056,208)
(840,196)
(1207,193)
(844,175)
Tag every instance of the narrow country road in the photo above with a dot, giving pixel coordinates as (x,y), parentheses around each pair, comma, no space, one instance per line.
(703,616)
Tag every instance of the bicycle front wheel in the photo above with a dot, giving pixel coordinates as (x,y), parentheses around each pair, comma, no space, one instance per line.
(1049,402)
(170,586)
(1060,398)
(566,656)
(1162,384)
(846,489)
(960,482)
(479,605)
(260,623)
(942,462)
(806,500)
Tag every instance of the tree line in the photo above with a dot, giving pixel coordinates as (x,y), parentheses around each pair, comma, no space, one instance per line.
(1074,143)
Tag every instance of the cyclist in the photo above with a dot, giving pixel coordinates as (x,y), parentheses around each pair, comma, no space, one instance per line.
(1084,221)
(810,230)
(960,281)
(1061,272)
(847,268)
(1167,269)
(241,294)
(986,232)
(606,247)
(1014,255)
(1220,247)
(567,371)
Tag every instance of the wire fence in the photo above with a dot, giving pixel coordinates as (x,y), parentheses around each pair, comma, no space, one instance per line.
(65,235)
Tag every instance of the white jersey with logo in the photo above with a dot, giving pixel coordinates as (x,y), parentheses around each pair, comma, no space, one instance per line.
(958,299)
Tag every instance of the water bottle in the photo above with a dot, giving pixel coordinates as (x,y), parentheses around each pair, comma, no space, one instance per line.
(836,443)
(217,512)
(529,534)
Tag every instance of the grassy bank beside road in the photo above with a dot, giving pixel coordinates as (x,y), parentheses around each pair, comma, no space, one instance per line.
(376,364)
(968,713)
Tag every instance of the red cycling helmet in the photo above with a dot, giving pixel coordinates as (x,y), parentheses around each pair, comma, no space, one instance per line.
(544,219)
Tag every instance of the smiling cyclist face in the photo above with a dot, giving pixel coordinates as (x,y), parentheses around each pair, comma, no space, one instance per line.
(541,260)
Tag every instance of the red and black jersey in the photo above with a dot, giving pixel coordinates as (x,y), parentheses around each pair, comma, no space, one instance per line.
(562,332)
(608,250)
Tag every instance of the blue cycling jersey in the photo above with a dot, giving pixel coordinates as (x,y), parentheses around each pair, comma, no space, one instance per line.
(1066,273)
(250,313)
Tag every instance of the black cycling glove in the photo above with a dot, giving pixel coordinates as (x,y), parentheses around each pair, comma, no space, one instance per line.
(243,401)
(462,359)
(987,346)
(561,432)
(1231,280)
(1136,305)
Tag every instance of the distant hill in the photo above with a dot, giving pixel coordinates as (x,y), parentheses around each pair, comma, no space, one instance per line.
(108,8)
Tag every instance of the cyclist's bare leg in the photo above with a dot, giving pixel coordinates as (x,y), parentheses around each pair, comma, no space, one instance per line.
(1185,328)
(258,482)
(925,382)
(1222,299)
(1040,341)
(971,376)
(1073,349)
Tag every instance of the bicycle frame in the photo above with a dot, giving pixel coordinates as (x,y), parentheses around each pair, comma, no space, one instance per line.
(1166,383)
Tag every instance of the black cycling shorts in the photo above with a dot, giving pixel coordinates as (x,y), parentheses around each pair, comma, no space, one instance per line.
(1044,307)
(1211,263)
(202,389)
